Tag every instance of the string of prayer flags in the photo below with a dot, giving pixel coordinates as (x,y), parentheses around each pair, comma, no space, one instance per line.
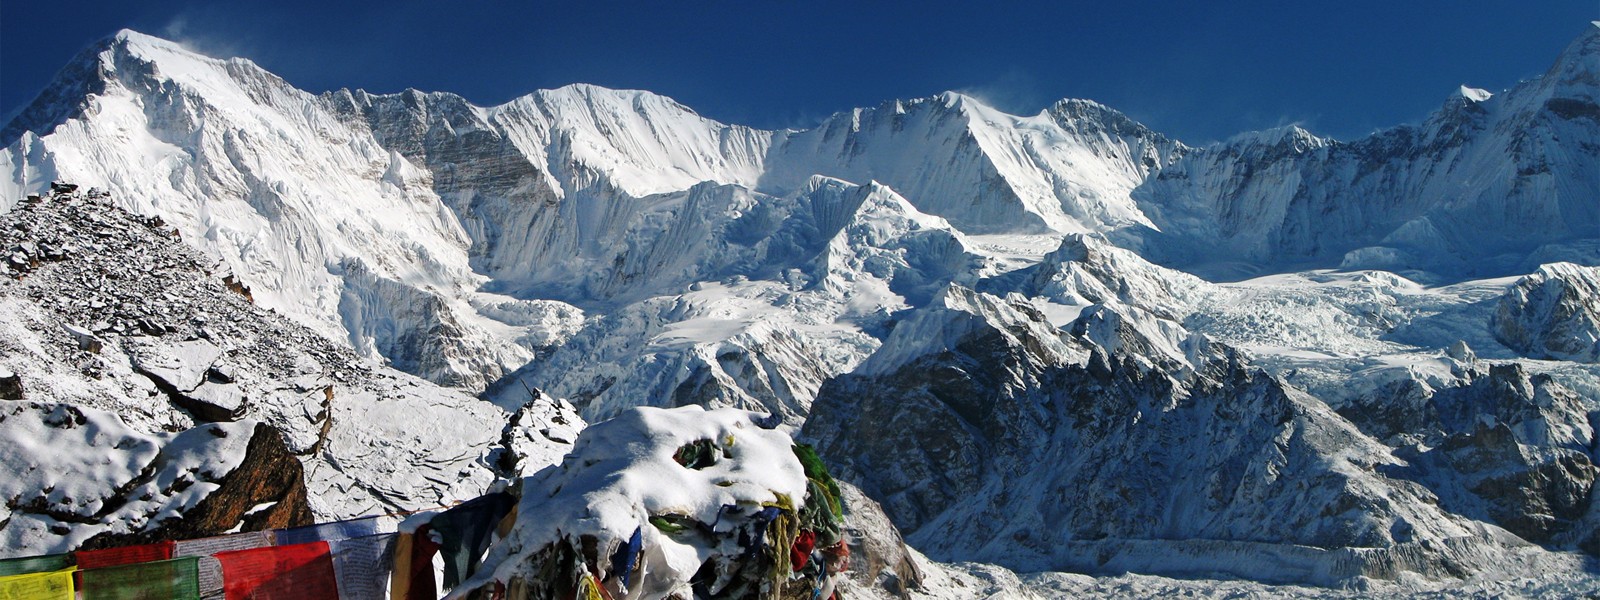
(355,559)
(362,566)
(34,564)
(340,530)
(49,585)
(126,555)
(175,579)
(296,572)
(465,532)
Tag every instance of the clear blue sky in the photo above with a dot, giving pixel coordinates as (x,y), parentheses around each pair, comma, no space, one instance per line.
(1196,70)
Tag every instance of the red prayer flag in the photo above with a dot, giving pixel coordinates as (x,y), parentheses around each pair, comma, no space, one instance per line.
(297,572)
(127,555)
(800,553)
(423,584)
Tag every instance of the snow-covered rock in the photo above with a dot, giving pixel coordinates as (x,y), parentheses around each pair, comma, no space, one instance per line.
(1553,313)
(83,478)
(674,503)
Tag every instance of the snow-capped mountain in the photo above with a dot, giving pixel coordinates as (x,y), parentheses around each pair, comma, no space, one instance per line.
(976,315)
(1483,184)
(392,219)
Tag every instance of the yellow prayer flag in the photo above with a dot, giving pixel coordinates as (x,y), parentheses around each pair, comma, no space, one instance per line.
(54,585)
(589,588)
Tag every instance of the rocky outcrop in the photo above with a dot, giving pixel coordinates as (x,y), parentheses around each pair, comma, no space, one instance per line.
(660,504)
(77,476)
(1498,445)
(267,490)
(879,558)
(1552,314)
(537,435)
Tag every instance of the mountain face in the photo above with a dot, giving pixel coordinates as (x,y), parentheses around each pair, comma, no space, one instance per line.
(1025,336)
(1483,183)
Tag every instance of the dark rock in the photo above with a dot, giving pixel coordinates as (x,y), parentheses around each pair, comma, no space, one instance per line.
(219,402)
(150,327)
(11,386)
(269,474)
(878,555)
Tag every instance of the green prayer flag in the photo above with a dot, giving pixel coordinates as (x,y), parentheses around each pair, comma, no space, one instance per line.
(176,579)
(34,564)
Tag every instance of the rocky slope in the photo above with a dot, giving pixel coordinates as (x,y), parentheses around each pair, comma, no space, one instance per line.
(148,397)
(990,435)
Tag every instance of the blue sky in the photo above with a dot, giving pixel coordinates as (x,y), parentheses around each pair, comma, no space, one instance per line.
(1199,71)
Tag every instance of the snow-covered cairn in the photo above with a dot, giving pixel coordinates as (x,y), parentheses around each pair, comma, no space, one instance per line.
(674,503)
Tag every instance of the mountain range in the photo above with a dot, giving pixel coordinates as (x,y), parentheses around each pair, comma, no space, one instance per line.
(1052,342)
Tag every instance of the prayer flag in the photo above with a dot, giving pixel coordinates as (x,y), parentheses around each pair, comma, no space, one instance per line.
(412,578)
(327,532)
(176,579)
(297,572)
(205,548)
(208,546)
(362,566)
(34,564)
(126,555)
(465,531)
(52,585)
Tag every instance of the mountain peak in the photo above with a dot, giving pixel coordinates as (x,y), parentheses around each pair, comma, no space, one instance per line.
(129,36)
(173,57)
(1473,94)
(1088,116)
(1291,136)
(968,103)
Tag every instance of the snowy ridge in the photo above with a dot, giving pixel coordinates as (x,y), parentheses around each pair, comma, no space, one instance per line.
(986,171)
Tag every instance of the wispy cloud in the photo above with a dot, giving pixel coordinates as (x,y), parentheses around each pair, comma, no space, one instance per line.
(200,30)
(1014,91)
